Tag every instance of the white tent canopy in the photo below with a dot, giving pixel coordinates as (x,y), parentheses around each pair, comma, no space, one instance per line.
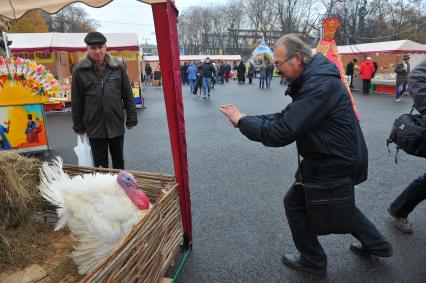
(69,41)
(198,58)
(393,47)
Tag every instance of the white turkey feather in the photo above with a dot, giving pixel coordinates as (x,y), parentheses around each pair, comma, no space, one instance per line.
(95,208)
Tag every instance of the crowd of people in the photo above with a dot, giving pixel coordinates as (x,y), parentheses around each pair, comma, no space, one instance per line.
(204,75)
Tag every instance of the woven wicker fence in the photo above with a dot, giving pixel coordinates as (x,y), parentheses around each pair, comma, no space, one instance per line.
(149,248)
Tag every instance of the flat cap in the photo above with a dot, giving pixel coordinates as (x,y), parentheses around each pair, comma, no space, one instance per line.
(95,37)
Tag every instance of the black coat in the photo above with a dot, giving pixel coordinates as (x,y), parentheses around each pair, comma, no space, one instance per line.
(241,72)
(322,122)
(350,69)
(97,105)
(206,70)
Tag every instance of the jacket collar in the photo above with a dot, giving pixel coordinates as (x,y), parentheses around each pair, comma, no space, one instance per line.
(87,63)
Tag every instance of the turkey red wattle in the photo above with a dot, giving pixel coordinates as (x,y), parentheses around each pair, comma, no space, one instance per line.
(130,187)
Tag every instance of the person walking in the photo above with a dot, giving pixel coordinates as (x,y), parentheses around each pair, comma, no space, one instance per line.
(402,70)
(269,73)
(250,72)
(148,75)
(350,70)
(415,192)
(100,90)
(192,76)
(221,73)
(367,70)
(322,122)
(206,72)
(184,73)
(241,73)
(228,69)
(262,74)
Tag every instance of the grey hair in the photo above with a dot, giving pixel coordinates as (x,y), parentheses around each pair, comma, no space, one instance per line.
(295,45)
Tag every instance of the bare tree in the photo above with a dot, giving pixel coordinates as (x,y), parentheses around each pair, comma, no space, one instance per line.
(70,19)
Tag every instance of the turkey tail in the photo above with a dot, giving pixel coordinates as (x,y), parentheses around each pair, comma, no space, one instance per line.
(50,176)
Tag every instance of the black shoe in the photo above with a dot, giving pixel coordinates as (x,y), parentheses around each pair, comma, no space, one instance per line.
(363,251)
(295,262)
(208,95)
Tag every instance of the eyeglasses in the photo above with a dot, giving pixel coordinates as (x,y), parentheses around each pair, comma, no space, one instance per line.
(277,65)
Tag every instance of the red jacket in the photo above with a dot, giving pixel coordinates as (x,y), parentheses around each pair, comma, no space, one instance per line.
(367,70)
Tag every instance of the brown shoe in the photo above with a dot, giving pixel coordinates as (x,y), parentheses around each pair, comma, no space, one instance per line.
(401,223)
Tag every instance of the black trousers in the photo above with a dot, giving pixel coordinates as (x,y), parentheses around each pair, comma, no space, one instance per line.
(351,85)
(366,86)
(306,241)
(415,193)
(100,152)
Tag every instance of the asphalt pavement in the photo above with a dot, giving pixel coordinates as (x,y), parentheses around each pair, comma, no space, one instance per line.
(240,231)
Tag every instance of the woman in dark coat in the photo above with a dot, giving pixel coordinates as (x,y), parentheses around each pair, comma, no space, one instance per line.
(241,73)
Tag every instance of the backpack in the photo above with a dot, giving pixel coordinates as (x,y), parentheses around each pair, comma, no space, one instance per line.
(409,134)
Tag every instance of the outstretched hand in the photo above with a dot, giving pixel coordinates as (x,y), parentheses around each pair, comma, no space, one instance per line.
(232,113)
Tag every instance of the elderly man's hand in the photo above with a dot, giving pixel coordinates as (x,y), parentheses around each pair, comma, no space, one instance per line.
(232,113)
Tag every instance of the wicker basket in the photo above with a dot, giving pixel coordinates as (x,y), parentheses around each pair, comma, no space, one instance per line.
(149,248)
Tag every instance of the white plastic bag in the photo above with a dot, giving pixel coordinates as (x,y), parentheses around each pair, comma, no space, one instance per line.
(83,151)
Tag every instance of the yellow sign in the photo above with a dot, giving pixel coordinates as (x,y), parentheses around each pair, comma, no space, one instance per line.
(39,57)
(18,95)
(126,55)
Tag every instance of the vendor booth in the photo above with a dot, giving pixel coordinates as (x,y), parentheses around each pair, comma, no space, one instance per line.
(150,248)
(387,55)
(59,52)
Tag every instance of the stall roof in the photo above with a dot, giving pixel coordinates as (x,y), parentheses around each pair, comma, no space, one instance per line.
(54,41)
(392,47)
(197,58)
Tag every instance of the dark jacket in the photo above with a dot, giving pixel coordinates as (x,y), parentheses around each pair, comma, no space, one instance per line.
(97,105)
(322,122)
(206,70)
(228,68)
(221,70)
(350,69)
(241,71)
(270,69)
(417,80)
(402,73)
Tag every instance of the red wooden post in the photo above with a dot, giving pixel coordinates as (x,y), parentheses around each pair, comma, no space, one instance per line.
(165,21)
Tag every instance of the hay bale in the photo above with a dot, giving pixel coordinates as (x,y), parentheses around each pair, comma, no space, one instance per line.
(19,198)
(19,194)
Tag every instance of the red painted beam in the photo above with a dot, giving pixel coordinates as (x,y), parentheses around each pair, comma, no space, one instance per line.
(165,21)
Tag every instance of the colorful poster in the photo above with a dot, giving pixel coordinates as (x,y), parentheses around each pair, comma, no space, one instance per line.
(22,128)
(38,57)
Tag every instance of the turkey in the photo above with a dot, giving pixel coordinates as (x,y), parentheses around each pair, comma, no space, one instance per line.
(99,209)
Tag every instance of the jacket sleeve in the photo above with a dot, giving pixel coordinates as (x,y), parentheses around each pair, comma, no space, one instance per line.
(77,102)
(399,68)
(128,100)
(298,118)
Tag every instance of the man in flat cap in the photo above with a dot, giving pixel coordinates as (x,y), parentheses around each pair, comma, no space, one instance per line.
(100,89)
(402,70)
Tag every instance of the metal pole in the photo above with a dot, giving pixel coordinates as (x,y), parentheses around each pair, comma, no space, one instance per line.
(4,35)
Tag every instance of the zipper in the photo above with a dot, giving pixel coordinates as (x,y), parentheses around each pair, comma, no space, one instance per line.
(334,201)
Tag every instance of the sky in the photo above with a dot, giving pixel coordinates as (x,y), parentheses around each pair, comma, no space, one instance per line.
(133,16)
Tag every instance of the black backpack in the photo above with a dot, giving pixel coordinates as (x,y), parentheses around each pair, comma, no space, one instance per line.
(409,134)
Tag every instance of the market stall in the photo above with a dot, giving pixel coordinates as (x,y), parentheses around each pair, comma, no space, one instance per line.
(387,55)
(59,52)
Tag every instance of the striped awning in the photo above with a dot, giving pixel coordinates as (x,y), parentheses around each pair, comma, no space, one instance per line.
(14,9)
